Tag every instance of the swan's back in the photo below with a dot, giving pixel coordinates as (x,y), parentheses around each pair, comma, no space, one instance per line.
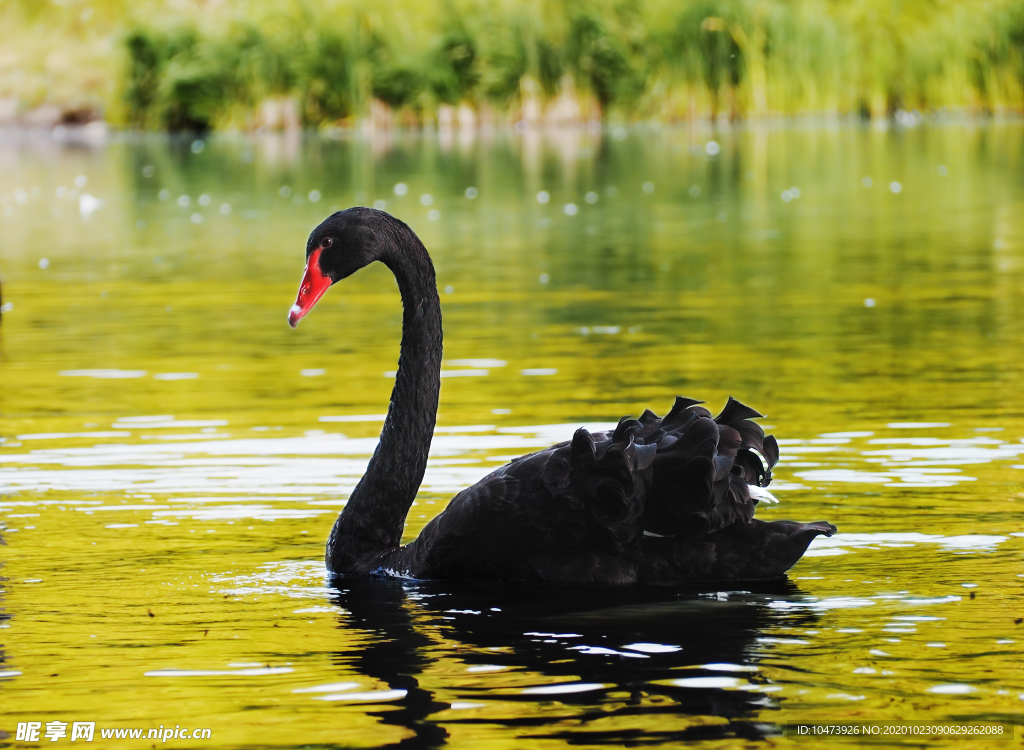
(658,498)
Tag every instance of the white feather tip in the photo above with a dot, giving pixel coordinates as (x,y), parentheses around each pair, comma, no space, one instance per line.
(760,493)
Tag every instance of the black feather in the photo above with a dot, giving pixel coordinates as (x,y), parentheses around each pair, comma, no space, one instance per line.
(734,411)
(770,451)
(678,412)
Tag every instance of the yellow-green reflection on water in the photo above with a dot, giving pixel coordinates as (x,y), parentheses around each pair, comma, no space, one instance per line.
(173,455)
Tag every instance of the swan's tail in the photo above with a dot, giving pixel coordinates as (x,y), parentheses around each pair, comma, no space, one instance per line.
(684,473)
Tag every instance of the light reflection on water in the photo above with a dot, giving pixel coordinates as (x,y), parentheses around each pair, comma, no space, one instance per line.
(172,456)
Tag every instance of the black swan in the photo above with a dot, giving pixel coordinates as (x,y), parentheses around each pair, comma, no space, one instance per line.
(658,499)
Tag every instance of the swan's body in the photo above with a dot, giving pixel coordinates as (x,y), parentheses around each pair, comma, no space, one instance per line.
(657,499)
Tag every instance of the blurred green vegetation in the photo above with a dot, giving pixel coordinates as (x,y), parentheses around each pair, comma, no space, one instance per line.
(195,64)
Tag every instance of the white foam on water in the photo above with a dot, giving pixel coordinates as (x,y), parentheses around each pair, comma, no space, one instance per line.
(103,374)
(565,689)
(71,435)
(841,602)
(708,682)
(374,696)
(846,542)
(652,648)
(254,672)
(726,667)
(330,687)
(602,651)
(355,418)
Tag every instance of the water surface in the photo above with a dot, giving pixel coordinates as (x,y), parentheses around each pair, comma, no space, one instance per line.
(172,455)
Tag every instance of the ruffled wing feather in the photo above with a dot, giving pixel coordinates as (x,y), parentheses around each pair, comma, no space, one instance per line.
(683,473)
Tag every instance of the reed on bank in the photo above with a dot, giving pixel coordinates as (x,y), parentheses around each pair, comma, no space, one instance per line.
(195,64)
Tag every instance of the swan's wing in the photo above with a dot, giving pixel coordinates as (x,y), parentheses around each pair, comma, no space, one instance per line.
(708,472)
(684,473)
(527,497)
(508,525)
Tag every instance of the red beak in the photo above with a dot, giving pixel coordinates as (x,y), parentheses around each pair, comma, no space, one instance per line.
(314,284)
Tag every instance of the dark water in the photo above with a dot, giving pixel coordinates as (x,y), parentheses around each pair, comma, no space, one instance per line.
(172,455)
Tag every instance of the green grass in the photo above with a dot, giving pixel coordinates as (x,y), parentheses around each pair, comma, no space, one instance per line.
(163,65)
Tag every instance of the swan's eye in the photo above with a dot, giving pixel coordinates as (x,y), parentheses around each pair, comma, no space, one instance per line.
(326,242)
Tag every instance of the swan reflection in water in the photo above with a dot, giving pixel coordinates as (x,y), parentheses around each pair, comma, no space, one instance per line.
(595,641)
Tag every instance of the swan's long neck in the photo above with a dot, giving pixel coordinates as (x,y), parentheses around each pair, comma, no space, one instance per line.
(374,517)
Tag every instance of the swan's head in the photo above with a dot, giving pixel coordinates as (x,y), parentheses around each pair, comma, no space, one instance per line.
(345,242)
